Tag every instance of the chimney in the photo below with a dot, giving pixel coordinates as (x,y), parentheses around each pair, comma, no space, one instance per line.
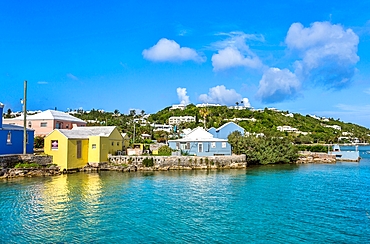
(1,113)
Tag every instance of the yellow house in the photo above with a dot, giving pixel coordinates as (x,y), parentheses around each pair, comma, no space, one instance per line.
(126,141)
(73,149)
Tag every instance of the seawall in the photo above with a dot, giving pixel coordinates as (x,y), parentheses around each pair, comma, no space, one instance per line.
(8,162)
(135,163)
(315,157)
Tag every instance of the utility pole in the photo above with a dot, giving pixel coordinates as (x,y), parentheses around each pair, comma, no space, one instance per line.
(25,118)
(134,133)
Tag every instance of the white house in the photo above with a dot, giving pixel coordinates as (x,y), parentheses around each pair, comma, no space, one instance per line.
(175,120)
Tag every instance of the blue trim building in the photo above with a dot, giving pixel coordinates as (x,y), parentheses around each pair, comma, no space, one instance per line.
(199,142)
(11,138)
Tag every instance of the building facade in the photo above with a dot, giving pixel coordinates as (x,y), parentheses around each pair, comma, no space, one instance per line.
(199,142)
(73,149)
(11,138)
(176,120)
(45,122)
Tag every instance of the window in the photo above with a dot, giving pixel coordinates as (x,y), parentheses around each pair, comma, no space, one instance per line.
(29,124)
(27,138)
(93,146)
(54,145)
(118,143)
(9,138)
(43,124)
(200,147)
(188,145)
(79,148)
(59,125)
(112,143)
(223,145)
(213,144)
(67,126)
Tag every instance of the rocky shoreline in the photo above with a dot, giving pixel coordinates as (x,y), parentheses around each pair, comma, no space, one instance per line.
(29,172)
(150,163)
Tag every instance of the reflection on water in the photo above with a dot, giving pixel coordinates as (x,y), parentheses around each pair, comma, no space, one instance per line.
(281,203)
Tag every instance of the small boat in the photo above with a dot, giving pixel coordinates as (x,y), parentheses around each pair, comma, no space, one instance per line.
(350,156)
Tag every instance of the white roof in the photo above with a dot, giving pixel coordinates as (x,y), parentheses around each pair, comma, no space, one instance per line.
(52,114)
(199,134)
(86,132)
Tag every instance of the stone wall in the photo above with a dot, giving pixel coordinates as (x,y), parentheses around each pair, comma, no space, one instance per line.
(134,163)
(312,157)
(9,161)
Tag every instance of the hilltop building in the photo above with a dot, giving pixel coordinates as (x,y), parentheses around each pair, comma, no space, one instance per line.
(175,120)
(11,138)
(45,122)
(178,106)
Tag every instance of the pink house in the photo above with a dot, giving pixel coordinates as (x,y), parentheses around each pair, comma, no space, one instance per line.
(45,122)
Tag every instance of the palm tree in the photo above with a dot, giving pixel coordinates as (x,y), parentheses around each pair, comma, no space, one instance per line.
(204,113)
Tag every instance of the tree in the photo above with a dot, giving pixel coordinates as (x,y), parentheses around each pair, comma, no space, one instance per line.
(204,113)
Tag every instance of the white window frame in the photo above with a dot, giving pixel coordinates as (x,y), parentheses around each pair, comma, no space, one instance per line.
(223,145)
(43,124)
(213,144)
(9,138)
(93,146)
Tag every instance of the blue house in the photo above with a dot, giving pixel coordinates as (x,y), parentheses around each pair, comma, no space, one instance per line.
(199,142)
(11,138)
(225,130)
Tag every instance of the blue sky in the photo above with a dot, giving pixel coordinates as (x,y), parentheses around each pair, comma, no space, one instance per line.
(303,56)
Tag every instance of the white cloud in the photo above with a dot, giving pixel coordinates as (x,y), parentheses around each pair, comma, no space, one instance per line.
(231,57)
(328,53)
(234,52)
(367,91)
(246,102)
(277,85)
(71,76)
(42,82)
(183,98)
(169,50)
(221,95)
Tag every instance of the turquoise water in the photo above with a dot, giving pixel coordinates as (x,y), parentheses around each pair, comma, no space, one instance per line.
(312,203)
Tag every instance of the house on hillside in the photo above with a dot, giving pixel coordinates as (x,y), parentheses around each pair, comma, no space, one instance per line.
(73,149)
(11,137)
(201,143)
(45,122)
(225,130)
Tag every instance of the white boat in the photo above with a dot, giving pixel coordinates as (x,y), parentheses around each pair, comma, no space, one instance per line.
(351,156)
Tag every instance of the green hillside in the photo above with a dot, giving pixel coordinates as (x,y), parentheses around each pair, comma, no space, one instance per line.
(267,121)
(264,121)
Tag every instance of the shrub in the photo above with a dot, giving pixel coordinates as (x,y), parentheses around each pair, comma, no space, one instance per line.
(164,151)
(38,142)
(148,162)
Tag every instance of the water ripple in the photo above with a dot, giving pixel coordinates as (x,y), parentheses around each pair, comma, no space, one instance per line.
(271,204)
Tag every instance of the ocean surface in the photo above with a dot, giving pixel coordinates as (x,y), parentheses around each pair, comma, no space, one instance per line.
(314,203)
